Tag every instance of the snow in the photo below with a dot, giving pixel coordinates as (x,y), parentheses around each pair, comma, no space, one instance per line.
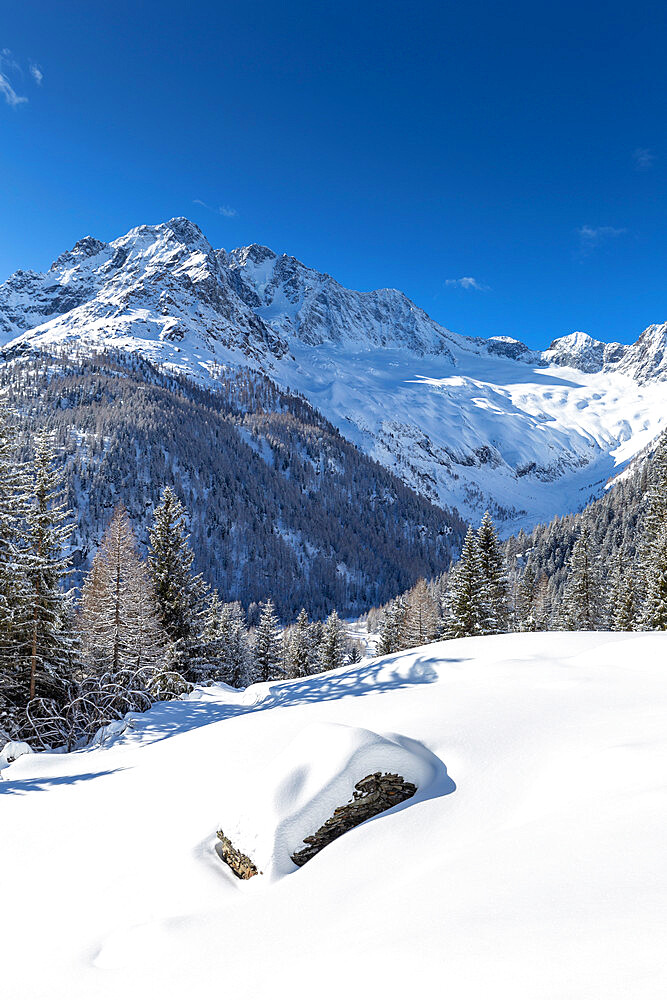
(469,423)
(278,806)
(12,751)
(533,868)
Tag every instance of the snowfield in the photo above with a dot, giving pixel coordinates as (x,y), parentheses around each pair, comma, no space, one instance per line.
(469,423)
(530,863)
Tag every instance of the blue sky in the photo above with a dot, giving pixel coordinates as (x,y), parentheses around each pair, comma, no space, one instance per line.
(519,146)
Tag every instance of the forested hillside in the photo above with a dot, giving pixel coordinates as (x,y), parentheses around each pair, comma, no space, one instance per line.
(281,504)
(602,568)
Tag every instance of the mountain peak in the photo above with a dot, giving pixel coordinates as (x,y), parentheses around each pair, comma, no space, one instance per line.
(189,233)
(83,249)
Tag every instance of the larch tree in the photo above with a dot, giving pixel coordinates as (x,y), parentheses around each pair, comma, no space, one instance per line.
(421,621)
(121,633)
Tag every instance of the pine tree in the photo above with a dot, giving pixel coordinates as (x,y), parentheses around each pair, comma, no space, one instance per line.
(391,628)
(654,612)
(622,604)
(467,597)
(39,651)
(495,606)
(266,645)
(526,598)
(226,636)
(181,595)
(332,646)
(14,586)
(582,598)
(300,654)
(48,607)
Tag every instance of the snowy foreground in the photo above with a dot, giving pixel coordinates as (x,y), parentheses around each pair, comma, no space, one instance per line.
(530,864)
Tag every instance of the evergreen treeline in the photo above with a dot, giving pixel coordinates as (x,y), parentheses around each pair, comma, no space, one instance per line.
(142,628)
(279,502)
(604,568)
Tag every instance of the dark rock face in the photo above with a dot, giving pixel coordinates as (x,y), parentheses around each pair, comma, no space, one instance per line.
(373,795)
(239,863)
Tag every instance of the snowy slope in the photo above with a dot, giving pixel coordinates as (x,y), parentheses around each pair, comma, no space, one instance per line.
(529,865)
(470,423)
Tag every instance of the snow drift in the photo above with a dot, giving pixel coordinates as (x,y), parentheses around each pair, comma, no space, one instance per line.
(541,877)
(283,803)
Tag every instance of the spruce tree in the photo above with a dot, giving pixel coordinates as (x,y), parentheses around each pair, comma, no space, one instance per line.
(332,645)
(526,597)
(266,645)
(467,596)
(39,651)
(226,637)
(495,604)
(622,604)
(14,586)
(582,598)
(48,646)
(654,612)
(300,654)
(391,628)
(182,596)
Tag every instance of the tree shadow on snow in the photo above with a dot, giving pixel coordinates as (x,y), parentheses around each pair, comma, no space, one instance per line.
(19,786)
(390,674)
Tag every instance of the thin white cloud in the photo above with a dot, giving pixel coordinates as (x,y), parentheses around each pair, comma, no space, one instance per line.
(592,237)
(225,210)
(10,68)
(643,158)
(467,283)
(11,97)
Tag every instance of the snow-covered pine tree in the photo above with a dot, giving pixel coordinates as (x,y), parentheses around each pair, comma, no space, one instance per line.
(622,604)
(300,654)
(495,605)
(654,611)
(332,646)
(582,598)
(226,636)
(467,597)
(49,649)
(655,500)
(391,628)
(266,646)
(39,651)
(14,497)
(182,596)
(525,604)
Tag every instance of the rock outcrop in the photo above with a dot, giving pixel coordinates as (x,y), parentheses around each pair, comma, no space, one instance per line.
(239,863)
(373,795)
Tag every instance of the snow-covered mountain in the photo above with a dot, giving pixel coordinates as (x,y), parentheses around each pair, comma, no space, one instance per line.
(470,423)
